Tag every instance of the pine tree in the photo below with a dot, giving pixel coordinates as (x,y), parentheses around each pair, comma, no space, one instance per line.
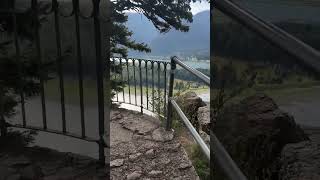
(18,75)
(165,15)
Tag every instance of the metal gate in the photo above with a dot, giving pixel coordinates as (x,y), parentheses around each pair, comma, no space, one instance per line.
(102,67)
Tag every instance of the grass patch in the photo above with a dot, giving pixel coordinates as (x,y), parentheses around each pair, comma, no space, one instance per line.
(193,150)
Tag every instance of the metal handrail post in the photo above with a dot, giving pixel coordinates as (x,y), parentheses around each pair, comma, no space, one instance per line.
(99,69)
(3,127)
(306,54)
(170,94)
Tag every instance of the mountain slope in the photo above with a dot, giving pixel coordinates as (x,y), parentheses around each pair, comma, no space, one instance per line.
(196,41)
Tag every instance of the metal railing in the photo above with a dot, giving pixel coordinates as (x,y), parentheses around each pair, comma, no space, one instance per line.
(172,104)
(307,55)
(100,70)
(144,83)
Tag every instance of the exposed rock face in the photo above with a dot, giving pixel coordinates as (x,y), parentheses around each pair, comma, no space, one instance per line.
(190,103)
(254,133)
(204,119)
(198,113)
(300,161)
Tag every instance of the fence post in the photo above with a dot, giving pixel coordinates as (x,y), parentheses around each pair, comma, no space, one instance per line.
(170,94)
(99,71)
(141,90)
(3,126)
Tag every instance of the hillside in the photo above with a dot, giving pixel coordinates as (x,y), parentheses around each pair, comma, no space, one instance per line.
(194,42)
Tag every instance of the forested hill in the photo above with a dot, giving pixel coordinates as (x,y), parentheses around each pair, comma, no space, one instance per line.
(194,42)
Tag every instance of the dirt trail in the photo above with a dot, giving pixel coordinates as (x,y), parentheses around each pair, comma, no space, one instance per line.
(142,149)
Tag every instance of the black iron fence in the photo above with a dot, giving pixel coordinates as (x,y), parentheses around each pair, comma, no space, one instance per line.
(144,83)
(102,67)
(172,104)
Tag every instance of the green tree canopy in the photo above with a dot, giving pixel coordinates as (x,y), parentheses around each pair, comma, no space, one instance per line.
(164,14)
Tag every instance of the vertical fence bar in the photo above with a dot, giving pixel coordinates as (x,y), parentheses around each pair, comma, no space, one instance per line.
(122,80)
(135,81)
(3,124)
(34,6)
(141,90)
(115,76)
(152,68)
(171,82)
(21,73)
(147,91)
(3,127)
(79,62)
(99,70)
(159,68)
(165,90)
(59,63)
(107,74)
(127,61)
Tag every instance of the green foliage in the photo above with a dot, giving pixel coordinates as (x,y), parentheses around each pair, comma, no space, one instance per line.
(229,84)
(19,75)
(200,163)
(158,103)
(164,15)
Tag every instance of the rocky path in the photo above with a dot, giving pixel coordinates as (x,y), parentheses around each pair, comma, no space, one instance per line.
(36,163)
(142,149)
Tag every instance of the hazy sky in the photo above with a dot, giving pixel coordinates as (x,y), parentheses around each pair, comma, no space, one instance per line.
(198,7)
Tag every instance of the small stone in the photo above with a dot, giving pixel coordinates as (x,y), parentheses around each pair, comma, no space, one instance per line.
(116,163)
(154,173)
(150,153)
(117,117)
(148,137)
(134,175)
(184,166)
(137,136)
(133,157)
(174,147)
(162,135)
(165,161)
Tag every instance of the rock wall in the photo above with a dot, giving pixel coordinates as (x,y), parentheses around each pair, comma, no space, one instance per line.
(254,132)
(300,161)
(198,112)
(264,141)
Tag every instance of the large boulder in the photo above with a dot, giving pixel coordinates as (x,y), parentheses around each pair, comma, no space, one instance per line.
(190,103)
(204,119)
(300,161)
(254,132)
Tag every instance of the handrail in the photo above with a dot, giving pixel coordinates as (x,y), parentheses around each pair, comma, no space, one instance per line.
(222,158)
(193,131)
(195,72)
(295,47)
(172,103)
(220,154)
